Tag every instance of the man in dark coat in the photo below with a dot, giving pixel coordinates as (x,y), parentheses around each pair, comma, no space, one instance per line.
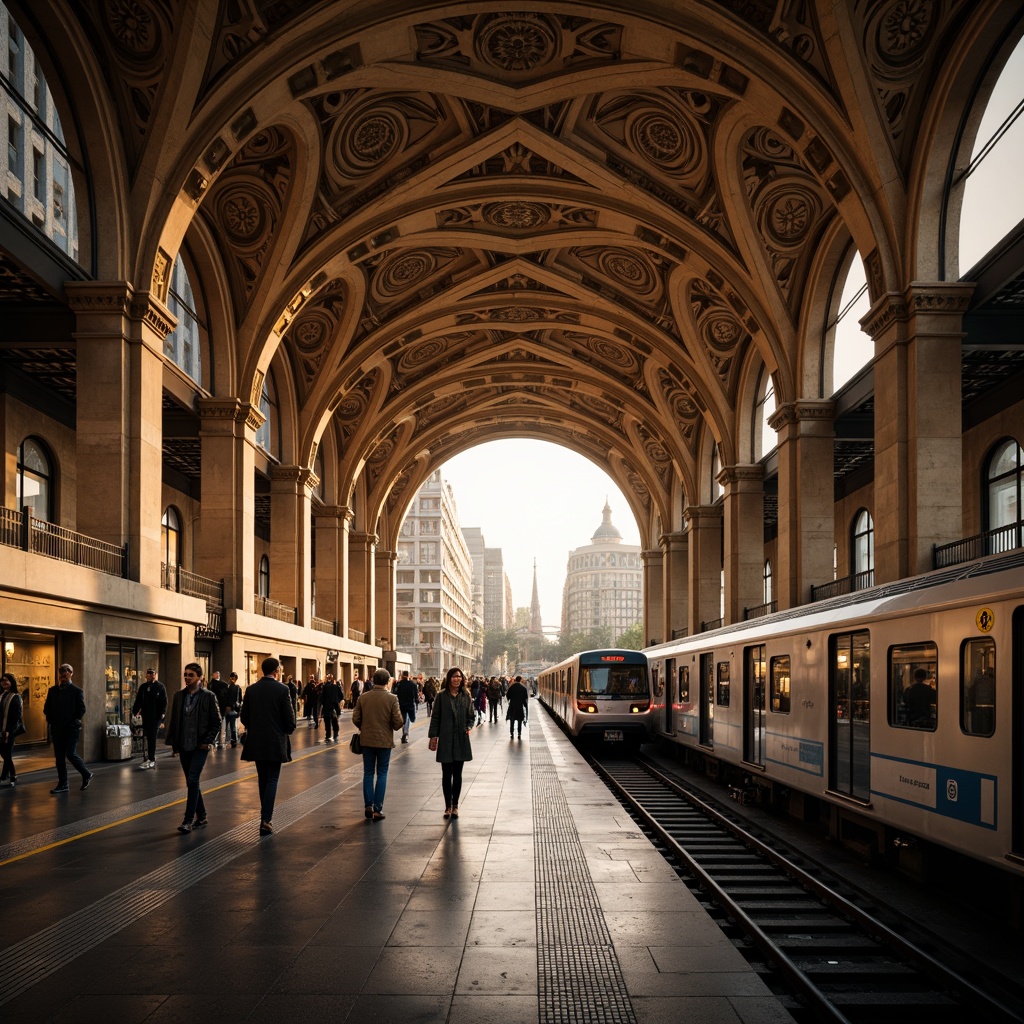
(408,694)
(192,731)
(230,707)
(269,720)
(64,710)
(331,699)
(151,704)
(518,699)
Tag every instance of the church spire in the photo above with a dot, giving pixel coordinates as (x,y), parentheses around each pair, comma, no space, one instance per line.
(535,620)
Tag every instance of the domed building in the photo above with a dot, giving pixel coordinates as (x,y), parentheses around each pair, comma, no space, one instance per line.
(603,584)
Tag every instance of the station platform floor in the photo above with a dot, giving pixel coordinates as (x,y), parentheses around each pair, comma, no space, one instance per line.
(542,902)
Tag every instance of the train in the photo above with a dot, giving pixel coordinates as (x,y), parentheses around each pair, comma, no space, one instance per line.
(893,716)
(604,695)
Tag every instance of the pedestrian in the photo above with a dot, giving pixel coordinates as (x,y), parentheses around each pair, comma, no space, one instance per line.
(269,721)
(355,690)
(518,701)
(408,697)
(493,698)
(64,709)
(309,708)
(331,697)
(191,734)
(231,707)
(450,725)
(218,688)
(480,699)
(12,725)
(151,706)
(429,693)
(376,716)
(293,693)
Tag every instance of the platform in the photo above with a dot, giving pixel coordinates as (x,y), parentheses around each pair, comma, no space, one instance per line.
(542,902)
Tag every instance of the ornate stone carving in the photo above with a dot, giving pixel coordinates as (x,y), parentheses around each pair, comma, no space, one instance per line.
(724,336)
(682,400)
(516,160)
(314,328)
(517,217)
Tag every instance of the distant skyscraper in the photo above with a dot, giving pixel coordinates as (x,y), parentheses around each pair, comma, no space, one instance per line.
(536,625)
(603,584)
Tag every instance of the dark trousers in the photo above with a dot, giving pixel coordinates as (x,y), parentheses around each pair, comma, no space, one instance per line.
(451,782)
(494,706)
(192,763)
(149,731)
(65,748)
(7,753)
(331,724)
(231,727)
(267,775)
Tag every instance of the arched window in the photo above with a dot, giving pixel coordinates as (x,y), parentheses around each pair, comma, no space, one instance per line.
(767,581)
(765,438)
(266,436)
(852,348)
(264,580)
(181,346)
(170,537)
(863,549)
(35,479)
(1003,496)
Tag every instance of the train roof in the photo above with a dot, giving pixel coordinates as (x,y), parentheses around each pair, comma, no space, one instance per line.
(980,581)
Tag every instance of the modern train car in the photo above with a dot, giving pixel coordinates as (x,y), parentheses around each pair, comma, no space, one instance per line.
(604,695)
(897,711)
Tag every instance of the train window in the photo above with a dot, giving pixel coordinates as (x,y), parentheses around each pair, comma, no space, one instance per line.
(613,680)
(684,684)
(722,685)
(913,686)
(978,687)
(780,678)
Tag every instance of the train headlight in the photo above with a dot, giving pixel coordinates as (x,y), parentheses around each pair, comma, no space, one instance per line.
(639,707)
(587,707)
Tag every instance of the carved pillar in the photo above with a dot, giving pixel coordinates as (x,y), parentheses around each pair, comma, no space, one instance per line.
(119,422)
(654,607)
(918,500)
(704,549)
(291,489)
(385,611)
(676,577)
(743,558)
(225,547)
(361,588)
(806,499)
(331,523)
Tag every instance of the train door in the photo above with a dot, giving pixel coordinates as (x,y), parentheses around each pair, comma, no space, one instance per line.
(1017,732)
(670,688)
(707,699)
(753,705)
(849,684)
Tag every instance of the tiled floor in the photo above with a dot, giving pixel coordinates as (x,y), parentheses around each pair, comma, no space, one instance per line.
(335,918)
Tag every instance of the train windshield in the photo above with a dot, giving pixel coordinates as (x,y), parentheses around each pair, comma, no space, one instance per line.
(613,681)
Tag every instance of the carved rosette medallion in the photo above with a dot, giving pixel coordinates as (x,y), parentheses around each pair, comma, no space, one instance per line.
(517,43)
(416,358)
(516,215)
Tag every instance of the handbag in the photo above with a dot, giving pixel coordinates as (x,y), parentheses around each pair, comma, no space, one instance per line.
(355,744)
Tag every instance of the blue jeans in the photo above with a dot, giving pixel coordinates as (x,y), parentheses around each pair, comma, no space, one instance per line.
(192,763)
(375,759)
(267,775)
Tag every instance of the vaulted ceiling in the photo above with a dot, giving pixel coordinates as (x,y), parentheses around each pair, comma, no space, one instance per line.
(595,224)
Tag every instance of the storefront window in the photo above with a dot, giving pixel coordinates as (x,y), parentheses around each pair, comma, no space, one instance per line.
(126,664)
(32,658)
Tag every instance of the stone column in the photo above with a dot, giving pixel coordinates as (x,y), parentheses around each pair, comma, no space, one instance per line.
(654,600)
(918,499)
(331,523)
(806,500)
(676,579)
(119,423)
(225,548)
(743,557)
(704,549)
(385,610)
(291,489)
(361,588)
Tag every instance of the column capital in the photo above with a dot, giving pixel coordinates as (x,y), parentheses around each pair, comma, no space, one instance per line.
(301,475)
(803,411)
(674,539)
(753,473)
(334,512)
(703,515)
(897,309)
(100,297)
(232,410)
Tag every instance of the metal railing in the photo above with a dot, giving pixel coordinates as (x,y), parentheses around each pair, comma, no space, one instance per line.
(991,542)
(22,530)
(275,610)
(358,635)
(325,625)
(761,609)
(711,624)
(191,584)
(681,634)
(846,585)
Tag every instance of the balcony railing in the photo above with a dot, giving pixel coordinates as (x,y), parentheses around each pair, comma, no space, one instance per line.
(991,542)
(358,635)
(191,584)
(681,634)
(276,610)
(846,585)
(325,625)
(21,530)
(761,609)
(711,624)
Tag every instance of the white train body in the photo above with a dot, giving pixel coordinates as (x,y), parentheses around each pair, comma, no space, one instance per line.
(902,708)
(604,695)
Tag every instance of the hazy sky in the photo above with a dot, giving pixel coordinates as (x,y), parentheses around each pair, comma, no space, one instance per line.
(505,488)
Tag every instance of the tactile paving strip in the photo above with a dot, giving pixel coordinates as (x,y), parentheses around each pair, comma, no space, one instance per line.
(578,973)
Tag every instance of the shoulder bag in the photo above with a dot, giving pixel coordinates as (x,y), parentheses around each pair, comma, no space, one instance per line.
(355,744)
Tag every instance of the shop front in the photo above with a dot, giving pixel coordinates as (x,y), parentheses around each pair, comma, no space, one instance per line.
(32,658)
(127,661)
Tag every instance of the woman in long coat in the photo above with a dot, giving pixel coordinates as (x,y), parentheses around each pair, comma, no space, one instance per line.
(450,723)
(518,696)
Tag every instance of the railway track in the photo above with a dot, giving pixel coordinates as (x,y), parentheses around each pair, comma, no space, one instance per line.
(827,958)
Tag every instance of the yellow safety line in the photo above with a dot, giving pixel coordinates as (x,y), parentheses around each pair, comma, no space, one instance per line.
(141,814)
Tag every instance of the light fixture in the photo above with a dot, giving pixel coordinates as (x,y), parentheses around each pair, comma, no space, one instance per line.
(8,649)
